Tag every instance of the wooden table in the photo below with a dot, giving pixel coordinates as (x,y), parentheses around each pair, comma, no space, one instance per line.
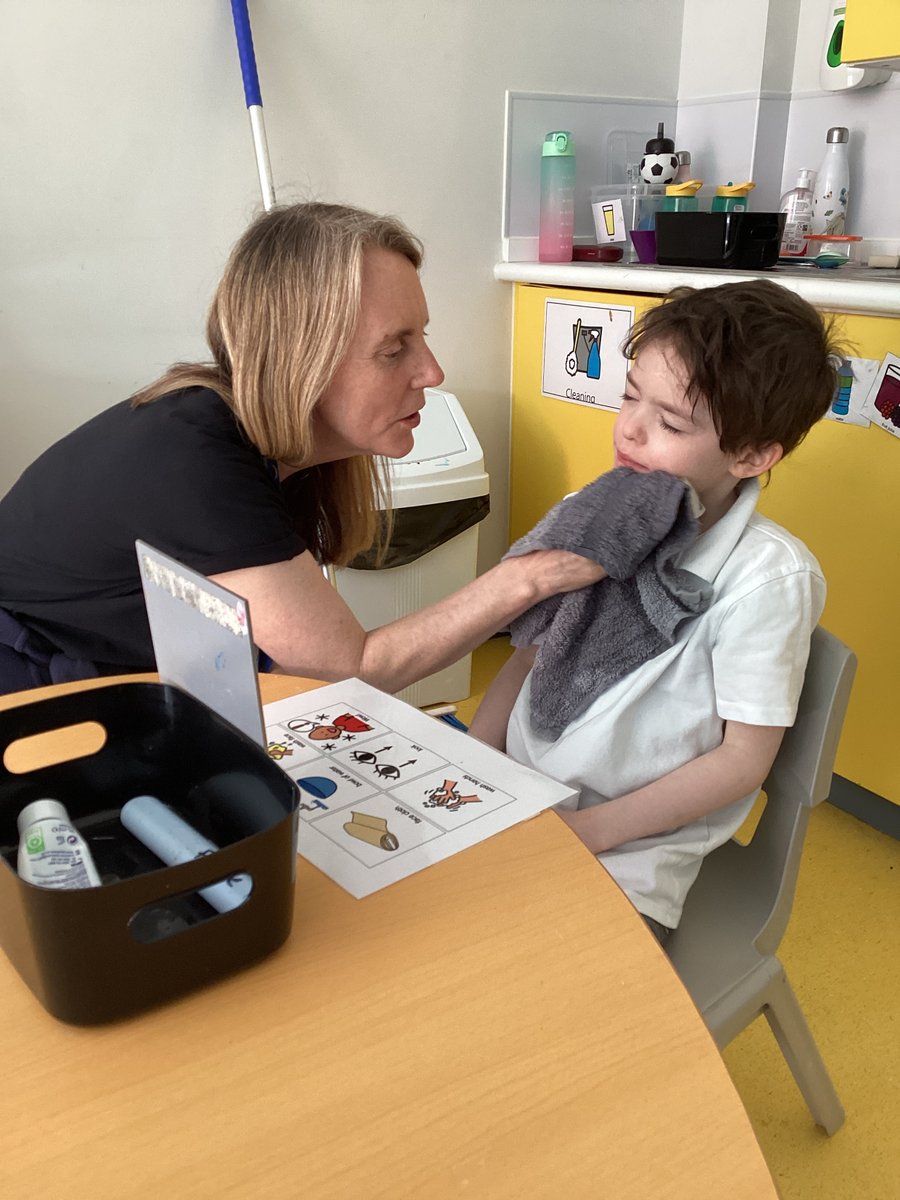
(500,1025)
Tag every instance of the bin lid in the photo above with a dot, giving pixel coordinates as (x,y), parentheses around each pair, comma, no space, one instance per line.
(446,461)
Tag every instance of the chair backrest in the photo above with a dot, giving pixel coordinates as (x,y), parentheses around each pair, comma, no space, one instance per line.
(799,779)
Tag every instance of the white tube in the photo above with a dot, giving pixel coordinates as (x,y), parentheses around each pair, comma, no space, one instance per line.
(52,853)
(175,841)
(261,150)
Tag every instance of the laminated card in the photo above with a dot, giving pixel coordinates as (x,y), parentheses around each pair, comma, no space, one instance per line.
(388,790)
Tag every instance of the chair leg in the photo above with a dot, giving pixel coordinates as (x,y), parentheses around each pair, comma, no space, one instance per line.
(798,1046)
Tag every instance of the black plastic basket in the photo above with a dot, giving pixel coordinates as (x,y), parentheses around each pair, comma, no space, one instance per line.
(738,240)
(145,936)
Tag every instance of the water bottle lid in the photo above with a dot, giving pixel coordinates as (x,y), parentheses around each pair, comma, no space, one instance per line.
(688,187)
(837,133)
(40,810)
(735,189)
(660,144)
(559,142)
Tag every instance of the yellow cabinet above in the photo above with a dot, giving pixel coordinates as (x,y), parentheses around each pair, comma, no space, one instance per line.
(872,32)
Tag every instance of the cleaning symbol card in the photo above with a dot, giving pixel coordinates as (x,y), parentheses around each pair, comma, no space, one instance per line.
(583,361)
(387,790)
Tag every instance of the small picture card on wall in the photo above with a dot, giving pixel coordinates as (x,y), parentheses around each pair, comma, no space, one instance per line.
(583,362)
(882,404)
(855,378)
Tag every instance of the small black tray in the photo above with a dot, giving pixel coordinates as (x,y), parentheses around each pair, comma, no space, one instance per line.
(746,241)
(146,936)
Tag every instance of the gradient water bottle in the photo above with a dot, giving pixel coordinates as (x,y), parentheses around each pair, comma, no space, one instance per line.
(557,198)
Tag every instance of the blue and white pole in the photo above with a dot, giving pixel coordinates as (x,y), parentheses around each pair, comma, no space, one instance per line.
(254,100)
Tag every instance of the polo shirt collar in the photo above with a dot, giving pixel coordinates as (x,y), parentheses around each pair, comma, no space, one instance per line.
(710,552)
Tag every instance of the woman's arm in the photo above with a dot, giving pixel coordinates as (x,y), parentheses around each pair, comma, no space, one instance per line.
(490,721)
(302,623)
(732,770)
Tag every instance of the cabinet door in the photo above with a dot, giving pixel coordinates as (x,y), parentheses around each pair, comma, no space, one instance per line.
(871,31)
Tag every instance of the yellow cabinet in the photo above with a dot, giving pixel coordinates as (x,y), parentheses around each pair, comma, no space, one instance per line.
(839,492)
(872,32)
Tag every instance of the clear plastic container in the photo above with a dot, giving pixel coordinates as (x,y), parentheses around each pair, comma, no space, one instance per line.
(835,250)
(639,204)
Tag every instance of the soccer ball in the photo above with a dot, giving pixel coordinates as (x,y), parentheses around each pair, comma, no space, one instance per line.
(659,168)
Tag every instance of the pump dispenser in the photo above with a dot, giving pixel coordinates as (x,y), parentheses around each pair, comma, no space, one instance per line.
(798,205)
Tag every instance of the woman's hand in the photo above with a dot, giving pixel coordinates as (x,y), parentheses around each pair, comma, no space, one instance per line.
(554,571)
(306,628)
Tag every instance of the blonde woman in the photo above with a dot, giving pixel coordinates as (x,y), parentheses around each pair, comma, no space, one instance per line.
(255,469)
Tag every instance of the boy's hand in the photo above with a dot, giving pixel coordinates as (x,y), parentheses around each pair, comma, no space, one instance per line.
(587,824)
(732,770)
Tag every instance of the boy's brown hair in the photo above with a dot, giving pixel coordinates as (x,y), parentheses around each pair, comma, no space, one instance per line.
(761,358)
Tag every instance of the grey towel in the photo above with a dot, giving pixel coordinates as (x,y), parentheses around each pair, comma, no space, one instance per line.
(635,525)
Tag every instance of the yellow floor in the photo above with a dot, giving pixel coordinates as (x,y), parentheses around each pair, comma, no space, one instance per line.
(842,955)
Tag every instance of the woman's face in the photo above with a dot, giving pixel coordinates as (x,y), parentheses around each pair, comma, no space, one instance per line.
(373,402)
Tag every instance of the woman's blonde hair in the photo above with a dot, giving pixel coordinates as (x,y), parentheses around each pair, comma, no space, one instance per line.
(279,326)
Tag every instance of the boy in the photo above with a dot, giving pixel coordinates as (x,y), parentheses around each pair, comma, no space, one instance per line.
(725,382)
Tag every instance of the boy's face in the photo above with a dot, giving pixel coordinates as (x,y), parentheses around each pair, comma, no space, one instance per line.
(656,430)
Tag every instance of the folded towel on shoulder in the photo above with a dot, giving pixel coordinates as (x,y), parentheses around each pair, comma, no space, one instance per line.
(635,525)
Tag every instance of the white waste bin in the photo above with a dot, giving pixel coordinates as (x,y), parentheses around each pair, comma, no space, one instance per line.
(440,493)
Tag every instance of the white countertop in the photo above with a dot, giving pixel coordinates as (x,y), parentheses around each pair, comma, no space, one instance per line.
(846,289)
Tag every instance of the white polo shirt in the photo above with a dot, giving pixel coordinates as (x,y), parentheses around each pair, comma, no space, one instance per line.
(742,660)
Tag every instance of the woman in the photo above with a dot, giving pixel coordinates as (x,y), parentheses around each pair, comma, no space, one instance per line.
(255,469)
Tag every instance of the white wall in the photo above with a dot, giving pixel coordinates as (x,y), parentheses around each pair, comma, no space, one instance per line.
(872,115)
(734,92)
(128,171)
(751,106)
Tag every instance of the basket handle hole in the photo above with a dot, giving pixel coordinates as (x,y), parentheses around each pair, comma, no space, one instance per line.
(168,917)
(54,746)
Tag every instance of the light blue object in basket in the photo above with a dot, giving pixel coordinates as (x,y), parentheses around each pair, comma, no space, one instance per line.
(174,841)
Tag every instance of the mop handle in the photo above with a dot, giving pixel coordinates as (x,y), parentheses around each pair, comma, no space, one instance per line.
(253,97)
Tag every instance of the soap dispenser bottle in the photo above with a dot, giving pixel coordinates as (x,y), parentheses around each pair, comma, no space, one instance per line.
(797,204)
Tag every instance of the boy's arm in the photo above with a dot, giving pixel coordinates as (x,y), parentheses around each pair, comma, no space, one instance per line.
(490,721)
(732,770)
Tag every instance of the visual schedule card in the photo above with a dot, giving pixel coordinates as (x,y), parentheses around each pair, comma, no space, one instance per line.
(388,790)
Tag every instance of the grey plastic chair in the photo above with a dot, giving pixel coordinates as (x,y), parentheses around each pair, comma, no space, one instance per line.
(737,911)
